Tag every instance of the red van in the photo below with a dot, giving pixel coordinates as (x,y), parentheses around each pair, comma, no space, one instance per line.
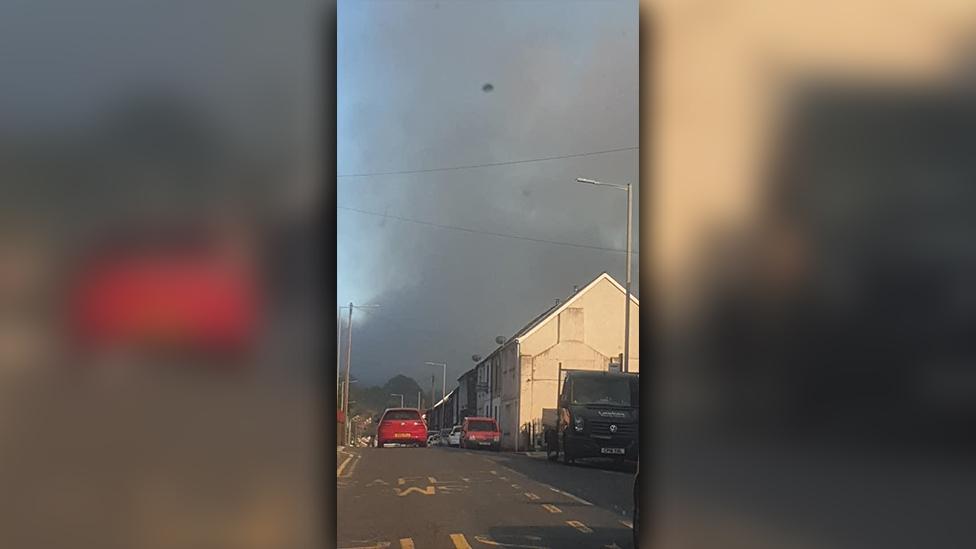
(401,426)
(480,432)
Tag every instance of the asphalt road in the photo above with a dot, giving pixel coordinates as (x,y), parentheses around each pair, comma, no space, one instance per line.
(452,498)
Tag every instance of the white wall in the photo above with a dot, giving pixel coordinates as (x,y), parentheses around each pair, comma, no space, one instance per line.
(584,336)
(598,321)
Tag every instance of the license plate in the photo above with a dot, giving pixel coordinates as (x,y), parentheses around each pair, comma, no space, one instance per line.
(484,443)
(611,450)
(402,435)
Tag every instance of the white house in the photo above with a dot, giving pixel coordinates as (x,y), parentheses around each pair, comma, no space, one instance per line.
(584,332)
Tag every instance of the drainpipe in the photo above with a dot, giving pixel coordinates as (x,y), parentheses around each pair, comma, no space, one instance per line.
(518,399)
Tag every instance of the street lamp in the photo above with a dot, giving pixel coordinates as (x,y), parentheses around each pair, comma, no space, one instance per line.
(342,384)
(345,396)
(444,379)
(398,395)
(627,187)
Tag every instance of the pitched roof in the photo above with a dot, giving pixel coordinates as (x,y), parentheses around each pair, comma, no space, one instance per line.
(560,307)
(553,311)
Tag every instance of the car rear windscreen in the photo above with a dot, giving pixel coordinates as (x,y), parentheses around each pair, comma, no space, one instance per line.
(402,415)
(481,426)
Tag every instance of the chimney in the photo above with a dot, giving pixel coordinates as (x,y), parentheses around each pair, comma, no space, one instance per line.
(557,301)
(575,288)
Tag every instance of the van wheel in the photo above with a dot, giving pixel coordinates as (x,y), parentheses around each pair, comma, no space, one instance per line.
(567,458)
(552,448)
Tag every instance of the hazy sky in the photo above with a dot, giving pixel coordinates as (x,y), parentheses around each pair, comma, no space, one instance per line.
(410,97)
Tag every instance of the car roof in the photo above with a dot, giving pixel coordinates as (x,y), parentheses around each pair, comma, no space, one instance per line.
(480,418)
(388,410)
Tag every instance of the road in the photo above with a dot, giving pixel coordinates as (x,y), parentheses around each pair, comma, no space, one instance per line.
(453,498)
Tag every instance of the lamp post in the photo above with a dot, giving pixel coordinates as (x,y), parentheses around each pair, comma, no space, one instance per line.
(626,365)
(345,395)
(444,379)
(398,395)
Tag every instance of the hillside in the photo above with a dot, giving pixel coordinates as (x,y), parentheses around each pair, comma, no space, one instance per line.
(373,400)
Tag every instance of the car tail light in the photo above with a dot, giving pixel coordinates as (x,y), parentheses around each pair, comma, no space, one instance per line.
(495,438)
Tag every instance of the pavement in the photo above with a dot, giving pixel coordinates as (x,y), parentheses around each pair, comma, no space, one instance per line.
(449,497)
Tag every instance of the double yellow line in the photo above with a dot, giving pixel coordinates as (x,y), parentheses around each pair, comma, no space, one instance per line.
(459,541)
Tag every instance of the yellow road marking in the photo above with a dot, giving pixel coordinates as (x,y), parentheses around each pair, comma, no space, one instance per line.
(406,543)
(343,466)
(352,466)
(531,496)
(488,541)
(459,541)
(493,472)
(552,508)
(579,526)
(401,481)
(379,545)
(516,486)
(429,491)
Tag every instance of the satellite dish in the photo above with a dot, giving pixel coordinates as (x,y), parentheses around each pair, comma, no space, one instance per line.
(476,358)
(487,87)
(500,339)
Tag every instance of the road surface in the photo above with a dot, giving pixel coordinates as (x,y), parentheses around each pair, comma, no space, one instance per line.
(453,498)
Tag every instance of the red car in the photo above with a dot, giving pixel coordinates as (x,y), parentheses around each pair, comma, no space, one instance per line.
(480,432)
(401,426)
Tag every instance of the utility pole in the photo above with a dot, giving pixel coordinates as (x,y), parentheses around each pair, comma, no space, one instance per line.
(339,357)
(418,400)
(345,398)
(444,381)
(345,389)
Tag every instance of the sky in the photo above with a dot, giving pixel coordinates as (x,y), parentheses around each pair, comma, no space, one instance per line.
(411,97)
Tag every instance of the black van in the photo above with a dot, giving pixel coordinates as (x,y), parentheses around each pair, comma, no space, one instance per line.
(598,416)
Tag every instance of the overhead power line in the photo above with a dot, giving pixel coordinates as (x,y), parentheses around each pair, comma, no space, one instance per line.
(489,233)
(490,164)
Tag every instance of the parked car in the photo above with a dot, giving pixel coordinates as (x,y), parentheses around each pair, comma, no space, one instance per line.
(434,439)
(454,439)
(480,432)
(401,426)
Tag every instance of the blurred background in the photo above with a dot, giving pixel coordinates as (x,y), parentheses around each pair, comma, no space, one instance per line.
(809,234)
(159,190)
(812,217)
